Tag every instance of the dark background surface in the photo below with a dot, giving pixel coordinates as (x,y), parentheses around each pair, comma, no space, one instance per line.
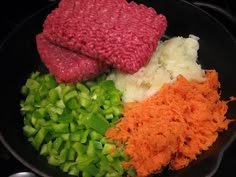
(13,13)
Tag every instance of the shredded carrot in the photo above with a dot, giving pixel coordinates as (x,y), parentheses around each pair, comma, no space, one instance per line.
(172,127)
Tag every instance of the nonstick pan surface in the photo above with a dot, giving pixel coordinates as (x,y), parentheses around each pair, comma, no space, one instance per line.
(19,58)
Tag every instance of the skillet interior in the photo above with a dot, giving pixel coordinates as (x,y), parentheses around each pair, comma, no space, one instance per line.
(19,58)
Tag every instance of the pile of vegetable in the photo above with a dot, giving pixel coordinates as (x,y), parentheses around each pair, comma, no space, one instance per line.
(85,129)
(172,127)
(156,109)
(66,123)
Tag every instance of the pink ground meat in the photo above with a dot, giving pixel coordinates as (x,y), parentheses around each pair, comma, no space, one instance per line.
(65,65)
(115,32)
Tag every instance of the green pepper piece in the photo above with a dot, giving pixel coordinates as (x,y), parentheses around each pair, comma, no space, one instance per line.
(29,130)
(74,170)
(63,155)
(131,171)
(98,145)
(43,90)
(82,88)
(54,109)
(73,104)
(116,164)
(60,128)
(53,96)
(91,169)
(73,126)
(79,148)
(84,99)
(24,90)
(86,174)
(70,95)
(95,135)
(53,116)
(83,161)
(46,148)
(85,136)
(57,143)
(104,166)
(27,108)
(35,75)
(75,136)
(68,143)
(91,149)
(32,84)
(108,148)
(67,165)
(71,154)
(60,104)
(97,122)
(113,174)
(49,80)
(38,139)
(55,160)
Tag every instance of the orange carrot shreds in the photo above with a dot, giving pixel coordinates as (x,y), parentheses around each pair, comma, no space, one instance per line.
(173,126)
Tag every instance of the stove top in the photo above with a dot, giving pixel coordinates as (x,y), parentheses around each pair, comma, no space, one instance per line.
(222,10)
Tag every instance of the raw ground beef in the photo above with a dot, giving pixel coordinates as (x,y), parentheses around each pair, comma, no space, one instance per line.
(65,65)
(116,32)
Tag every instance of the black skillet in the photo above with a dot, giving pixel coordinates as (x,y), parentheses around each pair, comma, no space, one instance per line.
(19,58)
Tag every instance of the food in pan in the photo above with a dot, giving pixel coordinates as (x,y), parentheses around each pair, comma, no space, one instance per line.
(66,65)
(171,58)
(119,101)
(71,122)
(66,123)
(173,126)
(121,34)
